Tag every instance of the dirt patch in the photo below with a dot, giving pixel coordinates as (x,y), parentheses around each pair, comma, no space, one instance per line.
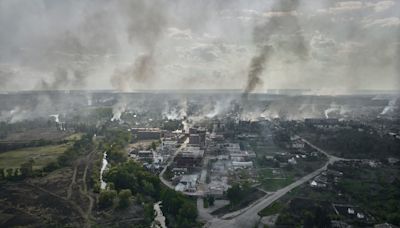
(35,207)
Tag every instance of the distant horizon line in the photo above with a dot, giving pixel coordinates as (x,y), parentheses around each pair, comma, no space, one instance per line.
(239,91)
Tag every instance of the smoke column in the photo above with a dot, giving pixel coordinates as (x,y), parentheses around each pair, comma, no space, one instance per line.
(257,66)
(146,23)
(285,23)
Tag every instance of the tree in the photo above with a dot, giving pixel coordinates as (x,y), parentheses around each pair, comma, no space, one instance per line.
(210,200)
(27,168)
(308,220)
(234,194)
(2,175)
(148,214)
(187,215)
(106,198)
(153,145)
(321,218)
(148,187)
(124,197)
(9,172)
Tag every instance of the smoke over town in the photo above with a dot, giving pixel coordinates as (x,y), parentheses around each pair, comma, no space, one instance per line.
(134,45)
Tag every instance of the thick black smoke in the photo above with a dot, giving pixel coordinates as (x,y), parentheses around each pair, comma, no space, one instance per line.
(141,71)
(283,21)
(257,66)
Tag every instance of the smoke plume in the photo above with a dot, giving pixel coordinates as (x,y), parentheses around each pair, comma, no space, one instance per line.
(146,23)
(283,21)
(257,66)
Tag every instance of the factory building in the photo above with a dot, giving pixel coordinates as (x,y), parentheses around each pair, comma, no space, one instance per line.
(189,157)
(146,133)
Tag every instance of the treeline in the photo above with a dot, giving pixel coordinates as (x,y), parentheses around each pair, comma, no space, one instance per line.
(9,128)
(4,146)
(115,141)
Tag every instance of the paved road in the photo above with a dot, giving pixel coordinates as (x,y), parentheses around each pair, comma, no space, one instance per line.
(248,216)
(171,160)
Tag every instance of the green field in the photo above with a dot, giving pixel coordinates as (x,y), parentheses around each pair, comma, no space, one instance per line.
(272,209)
(275,184)
(41,156)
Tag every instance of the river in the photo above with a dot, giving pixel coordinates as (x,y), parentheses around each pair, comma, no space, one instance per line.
(103,184)
(159,220)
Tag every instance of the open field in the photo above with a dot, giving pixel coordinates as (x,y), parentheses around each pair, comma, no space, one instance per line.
(41,156)
(36,134)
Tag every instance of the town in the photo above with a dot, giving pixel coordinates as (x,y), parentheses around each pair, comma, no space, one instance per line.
(228,168)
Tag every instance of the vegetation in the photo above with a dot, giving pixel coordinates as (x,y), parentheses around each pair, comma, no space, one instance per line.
(106,198)
(41,156)
(208,201)
(377,190)
(238,192)
(114,145)
(180,211)
(356,143)
(240,196)
(305,213)
(273,209)
(80,147)
(124,198)
(172,125)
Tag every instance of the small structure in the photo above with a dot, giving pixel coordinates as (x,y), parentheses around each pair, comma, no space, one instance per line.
(145,156)
(242,165)
(292,161)
(188,183)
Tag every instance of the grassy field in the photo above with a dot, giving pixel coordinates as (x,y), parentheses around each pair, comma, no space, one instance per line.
(41,156)
(273,209)
(275,184)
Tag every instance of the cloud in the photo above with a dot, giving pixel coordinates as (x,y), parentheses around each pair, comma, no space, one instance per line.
(381,5)
(344,7)
(178,34)
(384,22)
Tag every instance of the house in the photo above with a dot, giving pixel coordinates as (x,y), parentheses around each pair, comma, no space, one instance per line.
(188,183)
(292,161)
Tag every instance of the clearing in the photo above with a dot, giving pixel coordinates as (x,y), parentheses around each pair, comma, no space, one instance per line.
(41,155)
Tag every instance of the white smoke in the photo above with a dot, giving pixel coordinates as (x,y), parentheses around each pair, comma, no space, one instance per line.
(177,112)
(390,107)
(220,107)
(333,108)
(56,117)
(118,109)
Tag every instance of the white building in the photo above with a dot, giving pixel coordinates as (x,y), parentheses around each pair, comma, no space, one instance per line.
(188,183)
(242,165)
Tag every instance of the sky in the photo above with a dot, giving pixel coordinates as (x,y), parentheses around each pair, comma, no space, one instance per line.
(328,46)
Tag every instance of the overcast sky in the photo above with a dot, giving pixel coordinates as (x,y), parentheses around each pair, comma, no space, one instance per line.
(332,46)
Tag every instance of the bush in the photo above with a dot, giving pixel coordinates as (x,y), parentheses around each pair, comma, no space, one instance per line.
(124,197)
(106,198)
